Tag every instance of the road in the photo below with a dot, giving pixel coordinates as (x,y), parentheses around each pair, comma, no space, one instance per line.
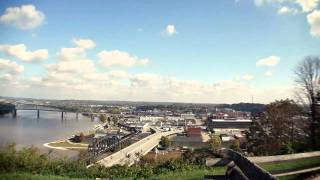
(129,154)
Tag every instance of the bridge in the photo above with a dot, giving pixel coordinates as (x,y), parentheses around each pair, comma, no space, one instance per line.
(132,153)
(44,107)
(105,144)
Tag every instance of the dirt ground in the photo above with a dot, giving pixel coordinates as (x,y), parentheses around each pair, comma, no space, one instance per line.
(162,156)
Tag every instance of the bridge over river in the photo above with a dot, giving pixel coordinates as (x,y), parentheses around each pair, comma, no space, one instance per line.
(133,152)
(42,107)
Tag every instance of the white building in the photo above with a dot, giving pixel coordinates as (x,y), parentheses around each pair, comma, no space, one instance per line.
(151,118)
(188,116)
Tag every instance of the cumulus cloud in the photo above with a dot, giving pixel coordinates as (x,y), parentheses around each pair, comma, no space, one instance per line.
(79,66)
(140,87)
(23,17)
(269,61)
(78,52)
(20,52)
(169,31)
(287,10)
(10,66)
(6,77)
(119,74)
(259,2)
(144,79)
(308,5)
(314,22)
(96,76)
(84,43)
(119,58)
(268,73)
(247,77)
(262,2)
(70,54)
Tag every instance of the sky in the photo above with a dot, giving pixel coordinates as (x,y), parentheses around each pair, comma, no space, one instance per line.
(210,51)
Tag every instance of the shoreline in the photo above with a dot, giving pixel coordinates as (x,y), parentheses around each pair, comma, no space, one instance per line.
(66,140)
(76,146)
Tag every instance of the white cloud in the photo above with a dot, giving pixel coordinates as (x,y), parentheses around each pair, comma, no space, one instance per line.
(79,66)
(78,52)
(144,79)
(308,5)
(138,87)
(70,54)
(119,58)
(287,10)
(269,61)
(314,22)
(19,51)
(96,76)
(268,73)
(11,67)
(262,2)
(247,77)
(6,77)
(169,31)
(23,17)
(84,43)
(119,74)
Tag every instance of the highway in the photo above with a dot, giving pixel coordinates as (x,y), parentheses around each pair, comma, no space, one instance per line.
(128,155)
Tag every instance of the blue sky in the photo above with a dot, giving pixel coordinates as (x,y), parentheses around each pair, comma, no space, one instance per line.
(210,44)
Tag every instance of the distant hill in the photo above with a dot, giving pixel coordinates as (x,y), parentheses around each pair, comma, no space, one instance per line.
(254,108)
(182,107)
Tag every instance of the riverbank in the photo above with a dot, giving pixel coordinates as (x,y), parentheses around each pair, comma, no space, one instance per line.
(66,145)
(45,132)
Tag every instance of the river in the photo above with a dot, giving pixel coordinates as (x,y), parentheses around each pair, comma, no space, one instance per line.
(26,129)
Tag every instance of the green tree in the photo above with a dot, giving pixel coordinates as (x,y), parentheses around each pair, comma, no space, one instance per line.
(307,75)
(115,111)
(215,143)
(115,120)
(165,142)
(103,118)
(236,145)
(278,126)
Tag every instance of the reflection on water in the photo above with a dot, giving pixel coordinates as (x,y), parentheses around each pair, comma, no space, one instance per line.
(26,129)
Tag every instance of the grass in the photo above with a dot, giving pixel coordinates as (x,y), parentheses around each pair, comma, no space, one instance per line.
(278,167)
(191,174)
(29,176)
(286,166)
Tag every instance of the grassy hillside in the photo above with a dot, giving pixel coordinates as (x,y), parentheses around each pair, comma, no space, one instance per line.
(193,174)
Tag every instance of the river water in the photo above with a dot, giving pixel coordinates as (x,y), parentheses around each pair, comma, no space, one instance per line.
(26,129)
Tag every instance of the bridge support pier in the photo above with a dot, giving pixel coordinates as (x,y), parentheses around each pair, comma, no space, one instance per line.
(14,113)
(38,113)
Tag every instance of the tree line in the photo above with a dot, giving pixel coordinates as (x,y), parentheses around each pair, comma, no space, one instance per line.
(288,126)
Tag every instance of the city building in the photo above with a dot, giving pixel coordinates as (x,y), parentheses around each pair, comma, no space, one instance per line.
(228,126)
(194,132)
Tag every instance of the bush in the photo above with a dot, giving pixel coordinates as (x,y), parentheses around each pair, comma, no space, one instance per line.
(236,145)
(165,142)
(215,143)
(32,161)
